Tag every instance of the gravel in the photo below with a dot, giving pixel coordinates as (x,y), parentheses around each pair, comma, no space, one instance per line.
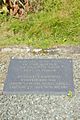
(40,107)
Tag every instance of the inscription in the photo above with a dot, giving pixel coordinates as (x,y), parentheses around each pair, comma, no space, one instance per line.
(39,76)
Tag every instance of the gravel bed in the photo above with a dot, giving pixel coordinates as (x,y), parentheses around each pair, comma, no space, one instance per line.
(40,107)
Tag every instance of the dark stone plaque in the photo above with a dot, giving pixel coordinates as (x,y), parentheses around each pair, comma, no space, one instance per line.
(50,76)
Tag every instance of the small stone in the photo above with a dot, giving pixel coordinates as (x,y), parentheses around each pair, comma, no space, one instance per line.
(37,50)
(6,50)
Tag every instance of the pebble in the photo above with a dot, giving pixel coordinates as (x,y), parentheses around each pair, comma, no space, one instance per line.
(37,50)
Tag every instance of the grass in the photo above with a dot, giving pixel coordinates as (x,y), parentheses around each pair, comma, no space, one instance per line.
(57,24)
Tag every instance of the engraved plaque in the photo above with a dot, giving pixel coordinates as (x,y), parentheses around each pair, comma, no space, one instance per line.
(48,76)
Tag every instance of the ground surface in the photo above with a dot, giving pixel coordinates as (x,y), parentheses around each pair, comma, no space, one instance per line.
(40,107)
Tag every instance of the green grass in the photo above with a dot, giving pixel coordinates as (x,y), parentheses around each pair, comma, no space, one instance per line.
(57,24)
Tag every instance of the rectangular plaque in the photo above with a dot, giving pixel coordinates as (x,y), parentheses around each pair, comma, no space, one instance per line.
(50,76)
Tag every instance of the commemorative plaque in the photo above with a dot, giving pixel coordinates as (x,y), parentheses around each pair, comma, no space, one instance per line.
(48,76)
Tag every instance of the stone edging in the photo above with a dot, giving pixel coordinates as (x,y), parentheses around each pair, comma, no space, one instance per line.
(58,49)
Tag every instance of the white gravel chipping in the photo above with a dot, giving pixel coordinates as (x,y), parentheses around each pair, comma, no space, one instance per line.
(40,107)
